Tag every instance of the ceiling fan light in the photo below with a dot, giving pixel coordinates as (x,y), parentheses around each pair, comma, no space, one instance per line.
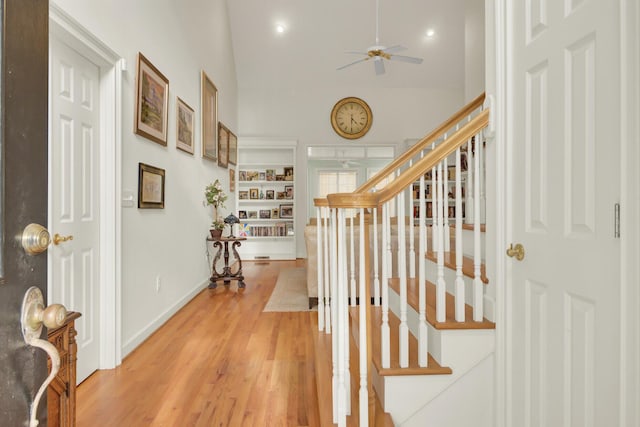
(430,33)
(280,28)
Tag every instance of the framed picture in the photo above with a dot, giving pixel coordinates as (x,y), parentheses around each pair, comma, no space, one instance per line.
(265,213)
(209,110)
(233,148)
(279,177)
(270,174)
(223,145)
(243,195)
(253,193)
(242,214)
(288,174)
(288,189)
(150,187)
(232,180)
(270,195)
(252,215)
(152,102)
(280,195)
(286,211)
(185,122)
(262,176)
(242,175)
(275,213)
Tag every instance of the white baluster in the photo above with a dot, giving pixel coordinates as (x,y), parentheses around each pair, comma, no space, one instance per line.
(483,177)
(336,355)
(341,327)
(352,266)
(364,391)
(423,330)
(459,284)
(320,271)
(329,291)
(346,333)
(412,250)
(376,278)
(385,347)
(446,231)
(441,286)
(469,205)
(402,274)
(478,293)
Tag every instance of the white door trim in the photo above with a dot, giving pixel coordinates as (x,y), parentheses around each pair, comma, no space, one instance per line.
(111,67)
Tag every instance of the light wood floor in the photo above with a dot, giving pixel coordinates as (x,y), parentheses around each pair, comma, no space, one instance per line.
(220,361)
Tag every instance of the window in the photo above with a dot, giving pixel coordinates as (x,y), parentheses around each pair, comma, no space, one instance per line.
(337,181)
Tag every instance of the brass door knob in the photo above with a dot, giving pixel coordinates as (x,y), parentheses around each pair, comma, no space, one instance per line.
(57,239)
(516,251)
(35,239)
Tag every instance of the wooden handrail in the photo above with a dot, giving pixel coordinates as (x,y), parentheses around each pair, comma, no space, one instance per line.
(410,175)
(422,144)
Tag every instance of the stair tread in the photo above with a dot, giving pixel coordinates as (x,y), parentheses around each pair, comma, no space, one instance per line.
(467,264)
(450,322)
(483,227)
(433,368)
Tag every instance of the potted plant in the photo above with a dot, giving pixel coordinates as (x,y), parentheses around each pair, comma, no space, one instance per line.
(216,197)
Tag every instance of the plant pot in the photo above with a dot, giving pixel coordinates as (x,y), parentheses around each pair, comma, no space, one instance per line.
(216,233)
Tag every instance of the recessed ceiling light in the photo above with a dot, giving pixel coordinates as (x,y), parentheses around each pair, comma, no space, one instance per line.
(430,33)
(280,28)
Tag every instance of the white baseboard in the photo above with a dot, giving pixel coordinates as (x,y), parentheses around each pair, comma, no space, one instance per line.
(156,323)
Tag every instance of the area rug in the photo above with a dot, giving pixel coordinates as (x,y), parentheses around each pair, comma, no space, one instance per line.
(290,292)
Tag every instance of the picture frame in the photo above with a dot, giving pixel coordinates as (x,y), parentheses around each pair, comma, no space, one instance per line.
(253,193)
(280,177)
(286,211)
(150,187)
(288,189)
(281,195)
(288,173)
(275,213)
(232,180)
(209,118)
(223,145)
(152,102)
(233,148)
(242,214)
(185,125)
(243,195)
(270,195)
(270,174)
(262,176)
(252,215)
(265,213)
(242,175)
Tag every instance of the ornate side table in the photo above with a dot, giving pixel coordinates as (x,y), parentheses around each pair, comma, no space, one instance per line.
(226,276)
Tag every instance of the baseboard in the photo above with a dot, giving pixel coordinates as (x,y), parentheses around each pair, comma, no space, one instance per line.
(156,323)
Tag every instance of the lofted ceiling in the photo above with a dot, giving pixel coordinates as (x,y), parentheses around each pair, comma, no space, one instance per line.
(318,32)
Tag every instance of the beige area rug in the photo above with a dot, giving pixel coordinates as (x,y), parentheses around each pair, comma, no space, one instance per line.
(290,292)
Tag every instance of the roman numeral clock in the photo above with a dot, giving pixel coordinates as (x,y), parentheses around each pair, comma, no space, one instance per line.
(351,118)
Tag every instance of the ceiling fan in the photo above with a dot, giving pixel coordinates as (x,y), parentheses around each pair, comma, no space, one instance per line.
(378,52)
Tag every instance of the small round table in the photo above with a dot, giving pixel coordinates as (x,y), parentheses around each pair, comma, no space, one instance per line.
(226,276)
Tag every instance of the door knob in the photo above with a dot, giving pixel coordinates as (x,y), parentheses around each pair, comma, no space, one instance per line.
(57,239)
(516,251)
(35,239)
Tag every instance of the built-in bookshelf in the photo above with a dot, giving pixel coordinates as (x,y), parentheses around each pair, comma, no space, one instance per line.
(265,199)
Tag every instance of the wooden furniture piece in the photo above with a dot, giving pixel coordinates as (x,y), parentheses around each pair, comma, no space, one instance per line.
(61,394)
(226,276)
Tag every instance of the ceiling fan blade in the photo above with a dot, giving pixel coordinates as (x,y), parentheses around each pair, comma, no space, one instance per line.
(379,65)
(352,63)
(396,48)
(355,52)
(410,59)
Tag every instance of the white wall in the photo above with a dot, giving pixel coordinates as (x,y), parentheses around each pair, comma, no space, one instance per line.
(474,49)
(180,39)
(398,114)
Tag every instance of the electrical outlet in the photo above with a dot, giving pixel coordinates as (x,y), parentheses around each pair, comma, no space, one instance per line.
(157,283)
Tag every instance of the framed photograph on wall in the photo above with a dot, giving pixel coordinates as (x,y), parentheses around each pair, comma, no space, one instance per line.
(233,148)
(286,211)
(185,122)
(150,187)
(152,102)
(209,110)
(223,145)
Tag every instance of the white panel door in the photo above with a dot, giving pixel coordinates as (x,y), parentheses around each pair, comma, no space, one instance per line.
(74,195)
(564,95)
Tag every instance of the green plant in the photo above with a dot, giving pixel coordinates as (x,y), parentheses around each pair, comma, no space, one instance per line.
(218,224)
(215,195)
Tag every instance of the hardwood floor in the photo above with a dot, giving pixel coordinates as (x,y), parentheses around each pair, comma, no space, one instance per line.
(220,361)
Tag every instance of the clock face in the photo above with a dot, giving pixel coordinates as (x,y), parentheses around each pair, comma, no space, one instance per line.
(351,118)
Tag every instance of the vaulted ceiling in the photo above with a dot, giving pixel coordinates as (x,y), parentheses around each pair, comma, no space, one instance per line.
(318,32)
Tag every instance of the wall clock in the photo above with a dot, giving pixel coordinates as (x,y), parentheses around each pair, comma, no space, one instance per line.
(351,118)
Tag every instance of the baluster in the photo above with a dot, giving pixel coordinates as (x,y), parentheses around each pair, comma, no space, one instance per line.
(346,336)
(376,278)
(434,205)
(320,268)
(402,274)
(446,231)
(483,178)
(329,291)
(364,324)
(441,285)
(412,250)
(336,355)
(477,256)
(423,331)
(352,262)
(459,284)
(469,205)
(384,329)
(342,327)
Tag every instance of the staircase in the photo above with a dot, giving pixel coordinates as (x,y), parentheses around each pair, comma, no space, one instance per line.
(401,308)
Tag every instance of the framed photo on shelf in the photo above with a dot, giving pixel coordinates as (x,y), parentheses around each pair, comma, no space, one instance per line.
(265,214)
(270,174)
(279,177)
(209,111)
(288,189)
(150,187)
(269,195)
(253,193)
(243,195)
(288,173)
(232,180)
(281,195)
(262,176)
(233,148)
(185,122)
(252,215)
(223,145)
(242,175)
(275,213)
(242,214)
(152,102)
(286,211)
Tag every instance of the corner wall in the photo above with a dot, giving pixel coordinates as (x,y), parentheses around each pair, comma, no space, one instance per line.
(180,39)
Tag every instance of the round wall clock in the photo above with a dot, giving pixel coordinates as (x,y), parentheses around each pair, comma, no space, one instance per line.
(351,118)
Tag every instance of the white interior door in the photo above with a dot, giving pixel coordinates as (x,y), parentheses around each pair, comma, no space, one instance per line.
(74,195)
(564,297)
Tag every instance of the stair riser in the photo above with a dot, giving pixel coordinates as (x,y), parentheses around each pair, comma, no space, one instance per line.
(450,280)
(468,245)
